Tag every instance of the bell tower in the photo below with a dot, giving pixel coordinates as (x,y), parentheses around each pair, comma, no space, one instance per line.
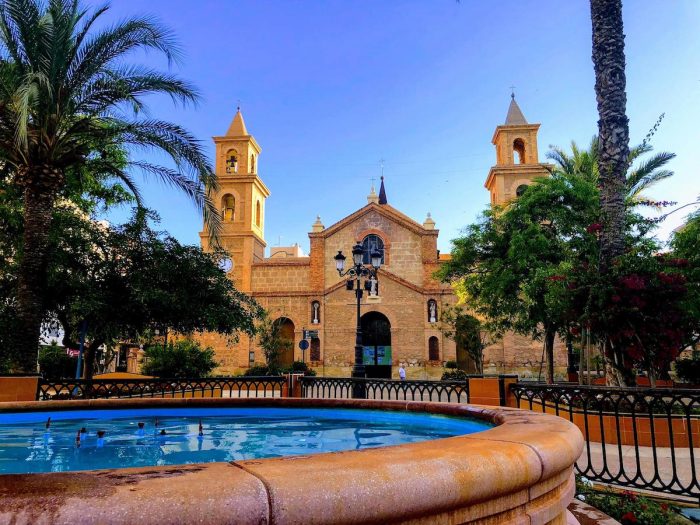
(241,199)
(517,162)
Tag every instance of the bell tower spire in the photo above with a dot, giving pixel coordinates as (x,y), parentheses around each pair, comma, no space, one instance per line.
(517,159)
(241,196)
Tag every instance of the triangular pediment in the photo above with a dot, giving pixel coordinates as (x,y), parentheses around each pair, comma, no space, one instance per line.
(384,210)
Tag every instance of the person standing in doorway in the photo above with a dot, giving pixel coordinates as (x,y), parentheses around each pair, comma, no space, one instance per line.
(402,373)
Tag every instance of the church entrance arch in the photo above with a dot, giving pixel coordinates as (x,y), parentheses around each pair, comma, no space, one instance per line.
(376,343)
(285,332)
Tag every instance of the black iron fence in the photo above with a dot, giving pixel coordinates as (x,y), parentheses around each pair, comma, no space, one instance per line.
(200,387)
(635,438)
(385,389)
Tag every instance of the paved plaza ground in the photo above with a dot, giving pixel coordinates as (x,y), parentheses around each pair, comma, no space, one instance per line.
(644,467)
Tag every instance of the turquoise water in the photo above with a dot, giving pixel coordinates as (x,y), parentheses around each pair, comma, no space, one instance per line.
(228,434)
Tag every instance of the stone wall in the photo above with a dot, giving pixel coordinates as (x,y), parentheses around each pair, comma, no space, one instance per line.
(402,247)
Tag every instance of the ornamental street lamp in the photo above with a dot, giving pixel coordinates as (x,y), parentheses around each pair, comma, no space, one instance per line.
(355,274)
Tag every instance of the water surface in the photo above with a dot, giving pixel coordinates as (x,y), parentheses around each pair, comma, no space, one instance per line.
(170,436)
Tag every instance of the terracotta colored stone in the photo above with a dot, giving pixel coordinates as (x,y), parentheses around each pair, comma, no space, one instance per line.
(18,388)
(519,472)
(207,493)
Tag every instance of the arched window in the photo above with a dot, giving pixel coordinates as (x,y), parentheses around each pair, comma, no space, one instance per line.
(232,162)
(432,311)
(252,163)
(228,207)
(370,244)
(258,214)
(433,349)
(519,148)
(520,190)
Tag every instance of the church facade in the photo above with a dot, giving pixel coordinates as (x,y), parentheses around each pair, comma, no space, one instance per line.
(306,296)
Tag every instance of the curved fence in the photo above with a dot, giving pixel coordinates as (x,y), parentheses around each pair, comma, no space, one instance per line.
(641,438)
(200,387)
(385,389)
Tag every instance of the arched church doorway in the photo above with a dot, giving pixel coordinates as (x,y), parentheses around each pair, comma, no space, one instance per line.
(285,332)
(376,342)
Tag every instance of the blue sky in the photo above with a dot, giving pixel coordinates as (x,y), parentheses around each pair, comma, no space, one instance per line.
(330,88)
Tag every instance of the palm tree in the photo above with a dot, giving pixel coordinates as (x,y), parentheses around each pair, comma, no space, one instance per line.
(67,95)
(613,125)
(638,179)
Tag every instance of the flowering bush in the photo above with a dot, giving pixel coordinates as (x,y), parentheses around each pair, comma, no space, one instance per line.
(629,508)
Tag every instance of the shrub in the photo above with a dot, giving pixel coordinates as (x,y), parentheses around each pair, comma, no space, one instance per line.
(688,370)
(299,367)
(179,359)
(455,375)
(55,363)
(451,364)
(628,507)
(262,370)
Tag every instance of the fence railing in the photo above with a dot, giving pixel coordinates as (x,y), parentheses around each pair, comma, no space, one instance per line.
(200,387)
(385,389)
(635,438)
(638,438)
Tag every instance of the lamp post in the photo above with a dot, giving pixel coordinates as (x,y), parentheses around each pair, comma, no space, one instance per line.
(355,274)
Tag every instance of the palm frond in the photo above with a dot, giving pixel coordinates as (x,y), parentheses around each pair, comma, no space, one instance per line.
(99,52)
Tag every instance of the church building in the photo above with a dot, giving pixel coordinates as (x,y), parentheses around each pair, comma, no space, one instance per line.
(401,314)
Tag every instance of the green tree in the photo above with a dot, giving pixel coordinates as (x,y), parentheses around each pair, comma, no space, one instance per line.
(119,283)
(64,86)
(54,362)
(130,279)
(685,250)
(512,263)
(270,339)
(180,359)
(613,125)
(468,333)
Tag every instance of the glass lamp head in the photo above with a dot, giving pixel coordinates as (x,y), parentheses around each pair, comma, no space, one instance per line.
(376,258)
(357,254)
(340,261)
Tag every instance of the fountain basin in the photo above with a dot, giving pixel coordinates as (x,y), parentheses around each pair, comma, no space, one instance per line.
(519,471)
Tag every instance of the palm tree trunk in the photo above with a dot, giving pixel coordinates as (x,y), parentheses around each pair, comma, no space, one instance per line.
(613,127)
(39,199)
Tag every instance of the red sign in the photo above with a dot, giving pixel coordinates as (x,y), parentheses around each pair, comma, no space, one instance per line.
(72,353)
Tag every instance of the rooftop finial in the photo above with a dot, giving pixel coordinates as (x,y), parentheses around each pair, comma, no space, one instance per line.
(318,225)
(382,192)
(515,117)
(512,92)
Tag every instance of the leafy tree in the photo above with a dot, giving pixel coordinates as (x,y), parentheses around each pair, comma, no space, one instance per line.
(512,263)
(66,89)
(122,282)
(131,279)
(54,362)
(613,125)
(180,359)
(467,332)
(685,248)
(639,309)
(270,339)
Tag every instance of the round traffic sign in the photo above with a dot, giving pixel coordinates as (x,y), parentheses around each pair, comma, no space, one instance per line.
(303,344)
